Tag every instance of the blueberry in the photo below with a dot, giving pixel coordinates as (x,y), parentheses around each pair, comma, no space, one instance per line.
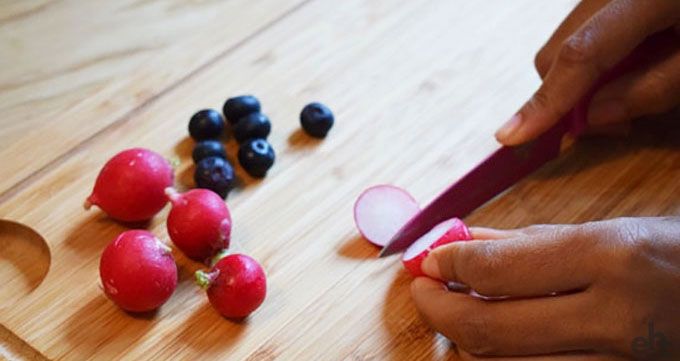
(208,148)
(316,120)
(238,107)
(256,157)
(206,124)
(255,125)
(216,174)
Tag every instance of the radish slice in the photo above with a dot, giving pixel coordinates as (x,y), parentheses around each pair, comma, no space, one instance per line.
(381,211)
(446,232)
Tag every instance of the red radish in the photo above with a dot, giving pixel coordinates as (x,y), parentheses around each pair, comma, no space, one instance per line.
(380,212)
(199,223)
(138,271)
(130,186)
(446,232)
(236,285)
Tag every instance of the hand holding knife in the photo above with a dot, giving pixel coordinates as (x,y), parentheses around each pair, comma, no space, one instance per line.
(508,165)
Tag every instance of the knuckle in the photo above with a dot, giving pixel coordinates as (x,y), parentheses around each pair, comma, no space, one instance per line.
(628,239)
(542,62)
(639,245)
(541,100)
(478,266)
(578,49)
(555,234)
(537,229)
(589,233)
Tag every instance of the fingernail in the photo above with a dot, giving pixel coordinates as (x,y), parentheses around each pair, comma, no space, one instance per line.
(430,267)
(509,128)
(491,233)
(606,112)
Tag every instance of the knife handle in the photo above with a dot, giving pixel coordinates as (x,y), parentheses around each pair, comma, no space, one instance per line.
(656,45)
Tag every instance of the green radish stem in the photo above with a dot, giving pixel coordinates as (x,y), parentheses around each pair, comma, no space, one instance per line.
(217,257)
(164,247)
(89,202)
(205,279)
(172,194)
(175,162)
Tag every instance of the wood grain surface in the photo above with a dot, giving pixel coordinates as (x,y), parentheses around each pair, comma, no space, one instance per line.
(71,69)
(418,89)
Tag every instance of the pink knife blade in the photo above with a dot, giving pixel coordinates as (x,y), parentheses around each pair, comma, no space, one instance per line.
(508,165)
(497,173)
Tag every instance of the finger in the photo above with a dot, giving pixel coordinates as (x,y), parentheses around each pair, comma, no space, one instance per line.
(604,40)
(485,233)
(511,327)
(555,259)
(617,130)
(581,13)
(650,91)
(491,233)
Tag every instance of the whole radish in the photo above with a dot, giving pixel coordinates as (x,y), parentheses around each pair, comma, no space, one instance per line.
(446,232)
(199,223)
(138,272)
(236,285)
(130,187)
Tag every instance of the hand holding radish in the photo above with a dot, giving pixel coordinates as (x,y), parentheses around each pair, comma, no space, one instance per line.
(590,288)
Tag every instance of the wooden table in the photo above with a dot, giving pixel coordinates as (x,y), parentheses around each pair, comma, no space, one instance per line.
(418,88)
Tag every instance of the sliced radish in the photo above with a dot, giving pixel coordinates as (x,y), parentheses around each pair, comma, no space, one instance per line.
(380,212)
(446,232)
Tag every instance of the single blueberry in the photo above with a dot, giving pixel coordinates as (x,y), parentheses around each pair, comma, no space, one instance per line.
(256,157)
(255,125)
(216,174)
(206,124)
(238,107)
(316,120)
(208,148)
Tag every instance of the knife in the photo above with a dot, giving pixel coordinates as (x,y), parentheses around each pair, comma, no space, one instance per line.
(508,165)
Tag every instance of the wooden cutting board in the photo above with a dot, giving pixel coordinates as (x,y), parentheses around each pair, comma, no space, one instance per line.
(72,69)
(418,89)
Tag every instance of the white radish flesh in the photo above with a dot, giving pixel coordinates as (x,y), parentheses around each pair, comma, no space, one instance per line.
(449,231)
(381,211)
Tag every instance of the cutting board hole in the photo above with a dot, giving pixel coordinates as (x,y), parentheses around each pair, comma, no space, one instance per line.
(24,261)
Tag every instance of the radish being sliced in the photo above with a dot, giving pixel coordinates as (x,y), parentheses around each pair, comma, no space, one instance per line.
(381,211)
(446,232)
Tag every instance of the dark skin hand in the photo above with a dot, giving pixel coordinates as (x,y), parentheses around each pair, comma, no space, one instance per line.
(597,35)
(572,292)
(611,278)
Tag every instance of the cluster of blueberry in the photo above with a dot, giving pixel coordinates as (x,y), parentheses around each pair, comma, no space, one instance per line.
(250,128)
